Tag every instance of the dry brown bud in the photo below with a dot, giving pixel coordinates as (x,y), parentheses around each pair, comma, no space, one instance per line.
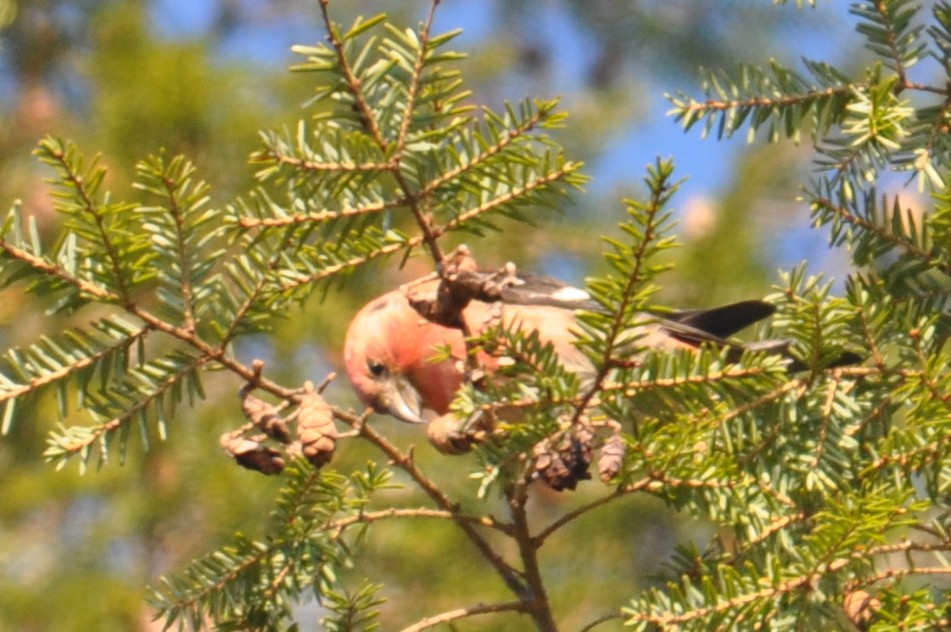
(266,417)
(460,282)
(451,435)
(446,435)
(461,259)
(860,607)
(252,454)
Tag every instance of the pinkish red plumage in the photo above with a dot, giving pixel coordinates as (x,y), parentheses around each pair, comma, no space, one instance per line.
(390,349)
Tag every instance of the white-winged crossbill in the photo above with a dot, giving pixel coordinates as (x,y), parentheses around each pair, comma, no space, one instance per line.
(390,347)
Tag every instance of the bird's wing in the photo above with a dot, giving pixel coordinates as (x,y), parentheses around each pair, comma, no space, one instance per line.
(693,327)
(726,320)
(536,289)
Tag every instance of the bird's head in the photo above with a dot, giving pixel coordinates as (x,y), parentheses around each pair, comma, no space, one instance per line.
(389,353)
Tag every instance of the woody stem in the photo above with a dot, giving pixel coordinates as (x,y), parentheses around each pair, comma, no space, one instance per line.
(535,597)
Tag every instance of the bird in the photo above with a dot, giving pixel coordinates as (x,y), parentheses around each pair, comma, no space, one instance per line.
(392,353)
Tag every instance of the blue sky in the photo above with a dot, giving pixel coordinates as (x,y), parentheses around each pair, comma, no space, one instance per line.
(268,42)
(706,163)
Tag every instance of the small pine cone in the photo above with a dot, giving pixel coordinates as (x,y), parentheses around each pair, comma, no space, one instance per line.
(548,465)
(253,455)
(612,458)
(265,417)
(316,429)
(446,435)
(563,461)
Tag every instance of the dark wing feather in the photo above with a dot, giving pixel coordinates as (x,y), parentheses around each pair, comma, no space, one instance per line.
(715,325)
(690,326)
(724,321)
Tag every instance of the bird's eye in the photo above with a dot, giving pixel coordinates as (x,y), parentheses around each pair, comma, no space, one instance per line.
(376,368)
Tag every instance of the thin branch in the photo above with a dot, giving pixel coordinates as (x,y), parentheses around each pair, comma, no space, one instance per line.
(712,105)
(196,599)
(510,137)
(602,619)
(906,546)
(621,317)
(353,262)
(841,165)
(48,268)
(535,597)
(731,372)
(779,523)
(257,557)
(367,517)
(98,431)
(934,385)
(414,197)
(503,199)
(322,167)
(512,578)
(437,232)
(460,613)
(632,387)
(319,216)
(672,620)
(897,241)
(921,87)
(939,129)
(415,79)
(90,207)
(184,261)
(766,399)
(577,512)
(897,573)
(45,380)
(899,67)
(255,293)
(366,112)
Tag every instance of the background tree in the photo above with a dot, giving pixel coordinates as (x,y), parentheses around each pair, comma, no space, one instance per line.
(809,478)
